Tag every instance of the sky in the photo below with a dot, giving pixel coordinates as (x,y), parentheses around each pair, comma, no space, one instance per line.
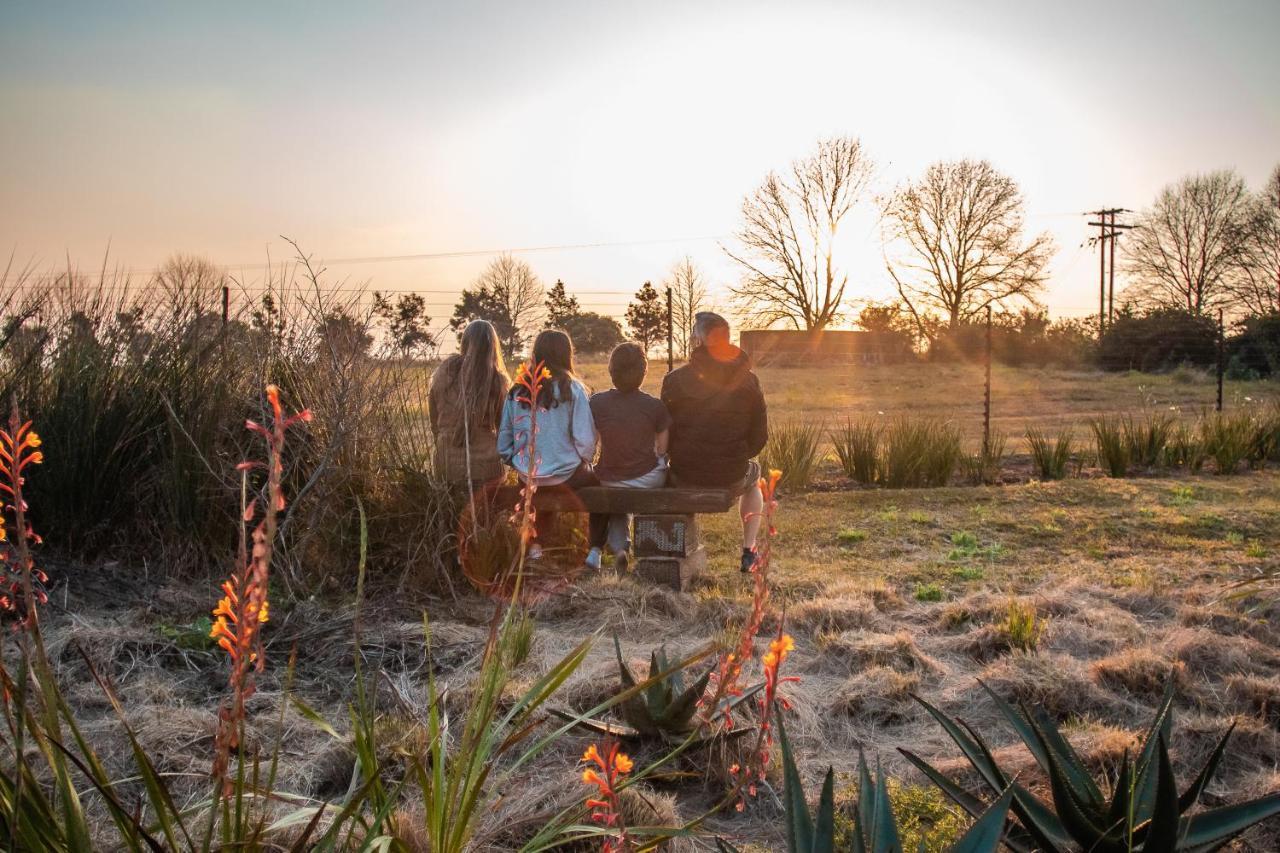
(629,132)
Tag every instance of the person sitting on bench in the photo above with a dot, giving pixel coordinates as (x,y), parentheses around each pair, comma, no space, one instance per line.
(719,423)
(633,441)
(566,438)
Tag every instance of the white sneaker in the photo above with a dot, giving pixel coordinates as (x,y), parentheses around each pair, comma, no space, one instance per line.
(534,552)
(593,559)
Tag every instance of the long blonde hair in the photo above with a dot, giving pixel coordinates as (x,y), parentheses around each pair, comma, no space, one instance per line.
(479,374)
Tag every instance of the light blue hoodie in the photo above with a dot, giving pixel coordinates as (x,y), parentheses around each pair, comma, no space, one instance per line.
(566,436)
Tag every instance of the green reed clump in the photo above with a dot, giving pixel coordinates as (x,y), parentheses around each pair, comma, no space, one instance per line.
(984,466)
(1114,450)
(1228,438)
(919,452)
(1147,437)
(1185,448)
(1050,455)
(795,449)
(857,447)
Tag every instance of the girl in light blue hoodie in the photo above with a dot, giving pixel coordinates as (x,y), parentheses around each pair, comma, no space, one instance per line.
(566,438)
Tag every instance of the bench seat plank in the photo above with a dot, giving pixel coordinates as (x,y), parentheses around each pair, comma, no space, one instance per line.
(635,501)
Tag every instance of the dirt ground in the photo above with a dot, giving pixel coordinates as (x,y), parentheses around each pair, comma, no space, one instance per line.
(887,593)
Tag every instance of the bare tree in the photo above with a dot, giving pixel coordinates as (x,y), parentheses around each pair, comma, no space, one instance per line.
(787,237)
(957,245)
(688,297)
(507,294)
(1190,244)
(1256,283)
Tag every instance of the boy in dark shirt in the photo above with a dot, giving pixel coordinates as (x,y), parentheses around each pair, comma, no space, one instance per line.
(632,426)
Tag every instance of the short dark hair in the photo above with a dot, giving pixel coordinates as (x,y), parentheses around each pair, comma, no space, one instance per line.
(627,366)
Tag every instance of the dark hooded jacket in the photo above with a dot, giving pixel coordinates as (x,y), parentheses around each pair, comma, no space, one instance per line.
(718,418)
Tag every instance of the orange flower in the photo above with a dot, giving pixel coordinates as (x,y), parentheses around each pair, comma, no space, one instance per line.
(609,768)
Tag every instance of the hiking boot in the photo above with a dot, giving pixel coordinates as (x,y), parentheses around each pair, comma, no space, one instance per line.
(621,562)
(749,560)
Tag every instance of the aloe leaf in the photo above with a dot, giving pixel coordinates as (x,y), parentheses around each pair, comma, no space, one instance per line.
(824,832)
(984,836)
(1161,832)
(1121,798)
(884,833)
(864,816)
(681,711)
(1218,826)
(1073,768)
(989,771)
(799,825)
(1074,814)
(1192,794)
(624,671)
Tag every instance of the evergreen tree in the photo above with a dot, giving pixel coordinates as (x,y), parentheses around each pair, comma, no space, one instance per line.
(561,307)
(647,317)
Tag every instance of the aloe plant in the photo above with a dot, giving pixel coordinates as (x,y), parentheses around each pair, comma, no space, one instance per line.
(875,828)
(1145,812)
(666,707)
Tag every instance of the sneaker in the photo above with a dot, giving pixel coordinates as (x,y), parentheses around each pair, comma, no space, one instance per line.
(534,552)
(622,562)
(749,558)
(593,559)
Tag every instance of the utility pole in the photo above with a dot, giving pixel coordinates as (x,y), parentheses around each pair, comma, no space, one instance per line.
(1108,232)
(671,352)
(986,396)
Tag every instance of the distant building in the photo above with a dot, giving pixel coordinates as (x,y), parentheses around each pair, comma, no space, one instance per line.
(844,346)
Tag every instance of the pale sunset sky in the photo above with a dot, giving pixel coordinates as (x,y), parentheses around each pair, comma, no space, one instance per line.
(388,129)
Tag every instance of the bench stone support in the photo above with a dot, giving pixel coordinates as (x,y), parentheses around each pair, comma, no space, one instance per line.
(669,549)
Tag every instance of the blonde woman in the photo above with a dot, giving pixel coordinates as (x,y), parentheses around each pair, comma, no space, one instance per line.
(464,405)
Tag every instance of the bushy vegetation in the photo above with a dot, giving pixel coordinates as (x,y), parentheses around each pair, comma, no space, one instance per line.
(1161,339)
(1050,456)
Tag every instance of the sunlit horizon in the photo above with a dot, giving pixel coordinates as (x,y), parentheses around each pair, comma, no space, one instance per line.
(598,142)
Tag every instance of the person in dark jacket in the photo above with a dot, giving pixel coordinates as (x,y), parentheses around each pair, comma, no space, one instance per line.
(719,423)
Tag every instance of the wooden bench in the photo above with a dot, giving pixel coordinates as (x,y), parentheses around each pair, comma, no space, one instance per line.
(665,537)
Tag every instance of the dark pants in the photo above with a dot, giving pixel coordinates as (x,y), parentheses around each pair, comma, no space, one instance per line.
(597,523)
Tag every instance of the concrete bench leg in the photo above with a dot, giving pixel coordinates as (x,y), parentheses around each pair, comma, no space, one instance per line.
(669,549)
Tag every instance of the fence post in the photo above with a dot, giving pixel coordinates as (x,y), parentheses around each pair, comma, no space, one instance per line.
(986,394)
(671,350)
(1221,353)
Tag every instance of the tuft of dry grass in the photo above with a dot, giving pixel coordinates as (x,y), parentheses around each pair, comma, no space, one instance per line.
(1140,671)
(1257,695)
(1208,655)
(858,650)
(1057,684)
(878,694)
(836,614)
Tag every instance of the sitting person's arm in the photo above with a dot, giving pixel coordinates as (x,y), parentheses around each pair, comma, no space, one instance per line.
(660,442)
(507,433)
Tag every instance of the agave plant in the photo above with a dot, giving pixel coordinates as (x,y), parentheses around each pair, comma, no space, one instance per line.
(1145,812)
(666,707)
(875,828)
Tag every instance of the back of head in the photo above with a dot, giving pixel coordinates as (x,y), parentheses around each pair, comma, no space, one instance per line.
(710,330)
(627,366)
(480,371)
(553,349)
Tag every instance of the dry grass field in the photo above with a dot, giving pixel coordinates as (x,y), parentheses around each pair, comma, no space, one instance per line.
(887,593)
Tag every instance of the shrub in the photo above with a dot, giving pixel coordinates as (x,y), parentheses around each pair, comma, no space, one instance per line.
(849,536)
(1255,350)
(795,449)
(1050,457)
(857,447)
(1112,444)
(1159,340)
(919,452)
